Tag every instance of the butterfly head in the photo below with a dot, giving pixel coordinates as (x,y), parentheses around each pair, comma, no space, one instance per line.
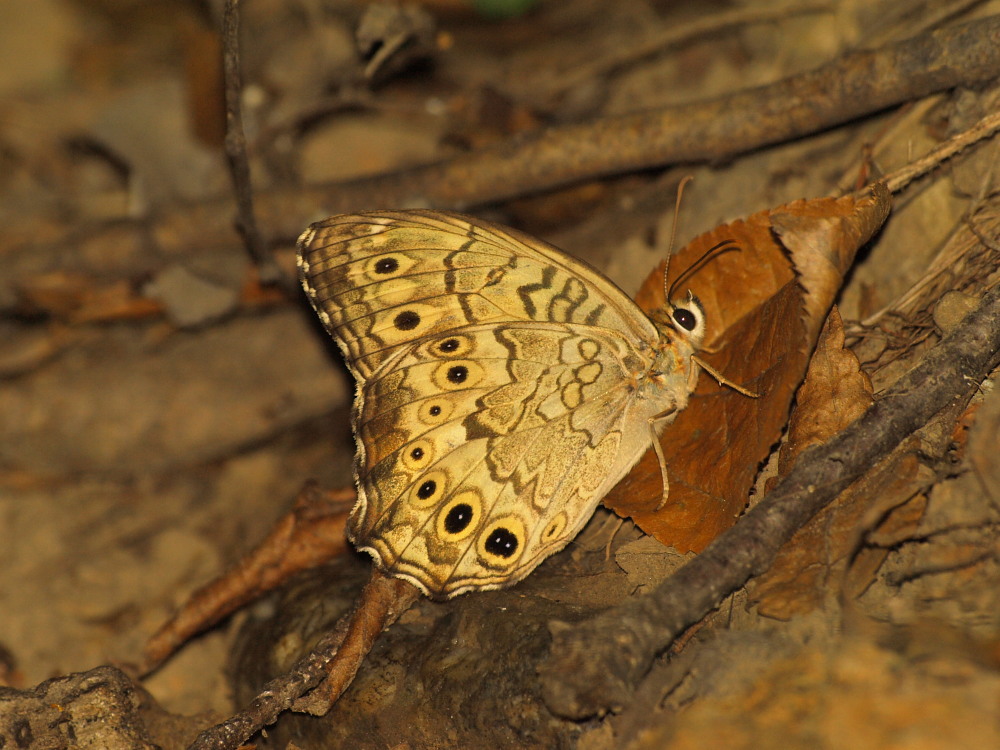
(684,320)
(687,318)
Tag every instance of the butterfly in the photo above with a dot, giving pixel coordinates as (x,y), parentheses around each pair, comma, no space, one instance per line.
(503,387)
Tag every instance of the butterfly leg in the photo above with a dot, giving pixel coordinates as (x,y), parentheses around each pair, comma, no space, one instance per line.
(720,378)
(658,449)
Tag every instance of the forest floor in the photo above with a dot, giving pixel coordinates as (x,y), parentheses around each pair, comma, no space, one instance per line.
(161,408)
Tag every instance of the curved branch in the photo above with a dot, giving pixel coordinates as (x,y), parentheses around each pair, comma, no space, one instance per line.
(856,84)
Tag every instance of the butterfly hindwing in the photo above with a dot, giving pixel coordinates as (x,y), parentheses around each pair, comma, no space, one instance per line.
(497,449)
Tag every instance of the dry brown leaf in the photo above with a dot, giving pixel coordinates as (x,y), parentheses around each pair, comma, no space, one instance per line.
(764,318)
(907,478)
(56,293)
(982,446)
(309,535)
(80,298)
(835,393)
(115,301)
(822,237)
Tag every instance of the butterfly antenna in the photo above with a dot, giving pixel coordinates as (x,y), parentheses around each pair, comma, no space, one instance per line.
(712,252)
(673,230)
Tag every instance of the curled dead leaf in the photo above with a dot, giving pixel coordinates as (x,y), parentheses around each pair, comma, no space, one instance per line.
(765,305)
(834,394)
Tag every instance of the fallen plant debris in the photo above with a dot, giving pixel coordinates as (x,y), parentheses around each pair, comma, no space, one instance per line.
(311,534)
(580,681)
(164,402)
(706,131)
(769,300)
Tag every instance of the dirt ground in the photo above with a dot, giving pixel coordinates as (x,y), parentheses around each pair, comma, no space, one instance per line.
(160,407)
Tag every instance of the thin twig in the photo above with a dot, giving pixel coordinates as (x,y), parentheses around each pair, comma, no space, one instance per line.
(986,127)
(236,153)
(594,667)
(382,602)
(309,535)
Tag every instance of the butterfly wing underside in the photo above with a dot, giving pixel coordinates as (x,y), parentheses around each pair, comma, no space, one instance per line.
(494,384)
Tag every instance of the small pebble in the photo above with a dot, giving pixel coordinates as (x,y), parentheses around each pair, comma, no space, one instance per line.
(952,308)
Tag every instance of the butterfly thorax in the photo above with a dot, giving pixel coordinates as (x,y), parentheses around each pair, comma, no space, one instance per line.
(665,379)
(672,360)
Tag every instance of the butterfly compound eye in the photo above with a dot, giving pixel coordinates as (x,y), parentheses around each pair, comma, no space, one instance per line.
(685,318)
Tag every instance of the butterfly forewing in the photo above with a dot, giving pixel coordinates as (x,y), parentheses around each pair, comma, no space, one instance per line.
(383,280)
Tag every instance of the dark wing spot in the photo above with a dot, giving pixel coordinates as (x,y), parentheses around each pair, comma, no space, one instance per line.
(458,518)
(502,543)
(434,410)
(449,345)
(427,489)
(406,320)
(458,374)
(386,265)
(417,453)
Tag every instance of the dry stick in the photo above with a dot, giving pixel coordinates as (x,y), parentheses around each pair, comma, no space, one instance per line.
(595,666)
(899,179)
(342,650)
(309,535)
(854,85)
(236,153)
(388,599)
(275,697)
(847,88)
